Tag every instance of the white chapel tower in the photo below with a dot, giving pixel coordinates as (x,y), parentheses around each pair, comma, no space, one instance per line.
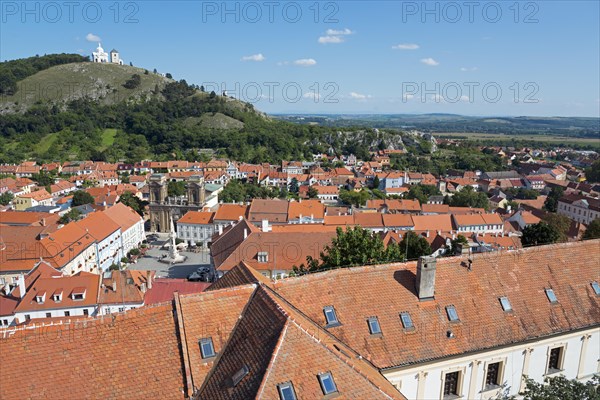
(100,56)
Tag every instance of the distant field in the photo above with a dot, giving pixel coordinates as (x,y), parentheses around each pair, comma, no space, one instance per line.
(533,138)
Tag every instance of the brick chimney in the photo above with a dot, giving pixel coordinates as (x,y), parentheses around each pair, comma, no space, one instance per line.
(425,283)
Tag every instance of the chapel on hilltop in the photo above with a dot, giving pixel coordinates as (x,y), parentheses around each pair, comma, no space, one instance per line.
(100,56)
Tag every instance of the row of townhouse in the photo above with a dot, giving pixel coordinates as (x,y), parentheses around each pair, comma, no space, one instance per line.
(91,244)
(45,294)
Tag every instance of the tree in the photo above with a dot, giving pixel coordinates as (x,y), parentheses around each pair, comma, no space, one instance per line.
(355,246)
(551,203)
(6,198)
(294,185)
(133,202)
(422,192)
(202,88)
(81,197)
(414,246)
(212,95)
(376,182)
(168,76)
(357,199)
(560,387)
(43,178)
(155,71)
(133,82)
(539,234)
(460,241)
(560,223)
(593,230)
(312,192)
(130,64)
(592,174)
(468,197)
(175,189)
(73,215)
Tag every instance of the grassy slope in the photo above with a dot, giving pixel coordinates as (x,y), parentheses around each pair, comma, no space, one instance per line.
(63,83)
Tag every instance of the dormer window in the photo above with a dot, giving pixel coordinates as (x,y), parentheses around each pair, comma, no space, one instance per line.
(374,327)
(40,297)
(286,391)
(452,313)
(207,349)
(57,295)
(407,321)
(78,294)
(596,287)
(263,257)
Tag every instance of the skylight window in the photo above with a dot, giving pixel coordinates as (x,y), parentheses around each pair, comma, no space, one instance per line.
(286,391)
(330,316)
(551,296)
(452,314)
(596,288)
(374,327)
(406,321)
(327,383)
(505,304)
(206,348)
(238,376)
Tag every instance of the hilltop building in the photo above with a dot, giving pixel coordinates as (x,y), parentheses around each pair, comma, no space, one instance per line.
(100,56)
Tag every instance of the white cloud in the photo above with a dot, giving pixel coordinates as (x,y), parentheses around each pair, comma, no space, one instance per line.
(254,57)
(280,63)
(312,95)
(359,96)
(330,39)
(464,98)
(334,32)
(430,61)
(406,46)
(465,69)
(438,98)
(90,37)
(305,62)
(334,36)
(407,96)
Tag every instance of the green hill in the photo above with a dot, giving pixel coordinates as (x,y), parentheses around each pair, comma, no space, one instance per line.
(63,83)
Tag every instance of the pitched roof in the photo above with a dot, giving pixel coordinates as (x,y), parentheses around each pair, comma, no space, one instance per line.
(123,215)
(67,286)
(141,344)
(306,208)
(385,291)
(197,217)
(442,222)
(271,210)
(163,289)
(230,212)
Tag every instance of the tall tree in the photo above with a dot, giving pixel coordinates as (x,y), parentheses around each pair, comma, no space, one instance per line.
(592,174)
(81,197)
(593,230)
(560,223)
(414,246)
(468,197)
(539,234)
(551,203)
(559,387)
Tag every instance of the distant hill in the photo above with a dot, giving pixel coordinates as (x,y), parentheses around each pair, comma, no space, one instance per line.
(448,123)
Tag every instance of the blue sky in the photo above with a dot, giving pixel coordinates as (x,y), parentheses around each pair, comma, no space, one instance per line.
(474,58)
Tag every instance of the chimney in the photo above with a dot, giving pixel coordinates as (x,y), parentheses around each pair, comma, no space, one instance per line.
(220,230)
(21,283)
(425,283)
(114,285)
(149,280)
(427,233)
(43,222)
(265,225)
(245,233)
